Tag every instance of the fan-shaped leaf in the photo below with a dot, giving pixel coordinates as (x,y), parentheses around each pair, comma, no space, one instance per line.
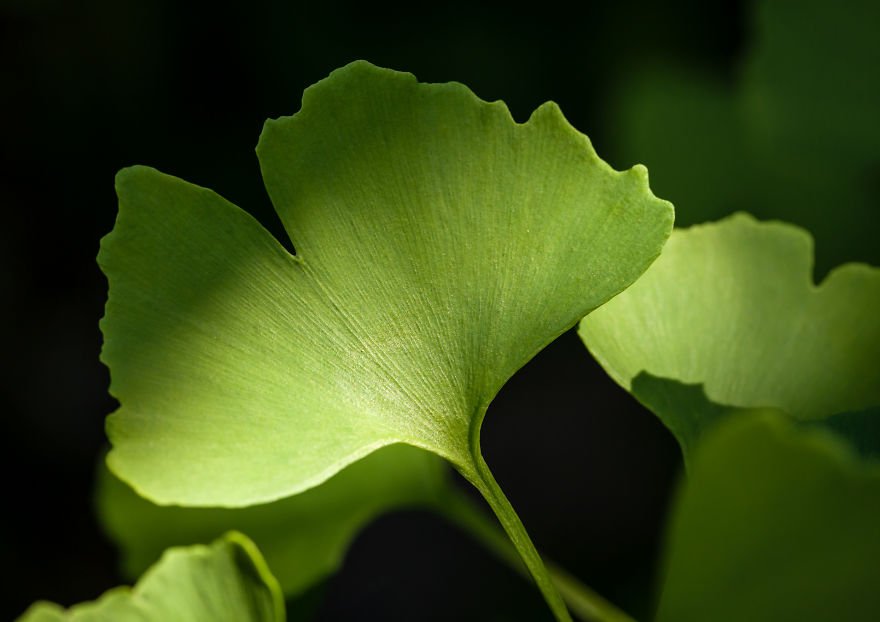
(732,306)
(227,581)
(440,245)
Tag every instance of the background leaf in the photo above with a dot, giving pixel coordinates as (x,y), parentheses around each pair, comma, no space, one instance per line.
(687,123)
(732,306)
(304,537)
(774,522)
(226,581)
(790,133)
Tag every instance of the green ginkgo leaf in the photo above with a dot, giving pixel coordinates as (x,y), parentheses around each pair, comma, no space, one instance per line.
(775,522)
(732,306)
(304,537)
(227,581)
(440,245)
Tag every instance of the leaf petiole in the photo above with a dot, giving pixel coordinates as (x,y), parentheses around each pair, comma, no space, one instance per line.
(484,481)
(581,600)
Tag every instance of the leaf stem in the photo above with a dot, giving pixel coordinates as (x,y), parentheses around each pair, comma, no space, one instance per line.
(586,604)
(485,482)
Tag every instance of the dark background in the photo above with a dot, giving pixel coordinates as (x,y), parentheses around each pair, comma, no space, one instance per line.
(91,86)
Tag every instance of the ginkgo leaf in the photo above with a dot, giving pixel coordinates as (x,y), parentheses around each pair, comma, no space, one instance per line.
(775,522)
(440,245)
(304,537)
(227,581)
(732,306)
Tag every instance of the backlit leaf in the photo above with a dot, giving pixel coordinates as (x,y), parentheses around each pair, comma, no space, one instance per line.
(227,581)
(732,306)
(440,245)
(304,537)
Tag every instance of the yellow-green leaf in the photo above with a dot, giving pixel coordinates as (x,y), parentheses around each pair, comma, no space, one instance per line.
(227,581)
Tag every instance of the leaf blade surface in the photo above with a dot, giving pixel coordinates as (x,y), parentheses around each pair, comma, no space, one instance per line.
(440,246)
(732,306)
(304,537)
(227,581)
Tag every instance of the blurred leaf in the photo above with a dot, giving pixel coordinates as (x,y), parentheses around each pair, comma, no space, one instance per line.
(732,306)
(226,581)
(795,137)
(687,127)
(304,537)
(811,91)
(811,83)
(774,523)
